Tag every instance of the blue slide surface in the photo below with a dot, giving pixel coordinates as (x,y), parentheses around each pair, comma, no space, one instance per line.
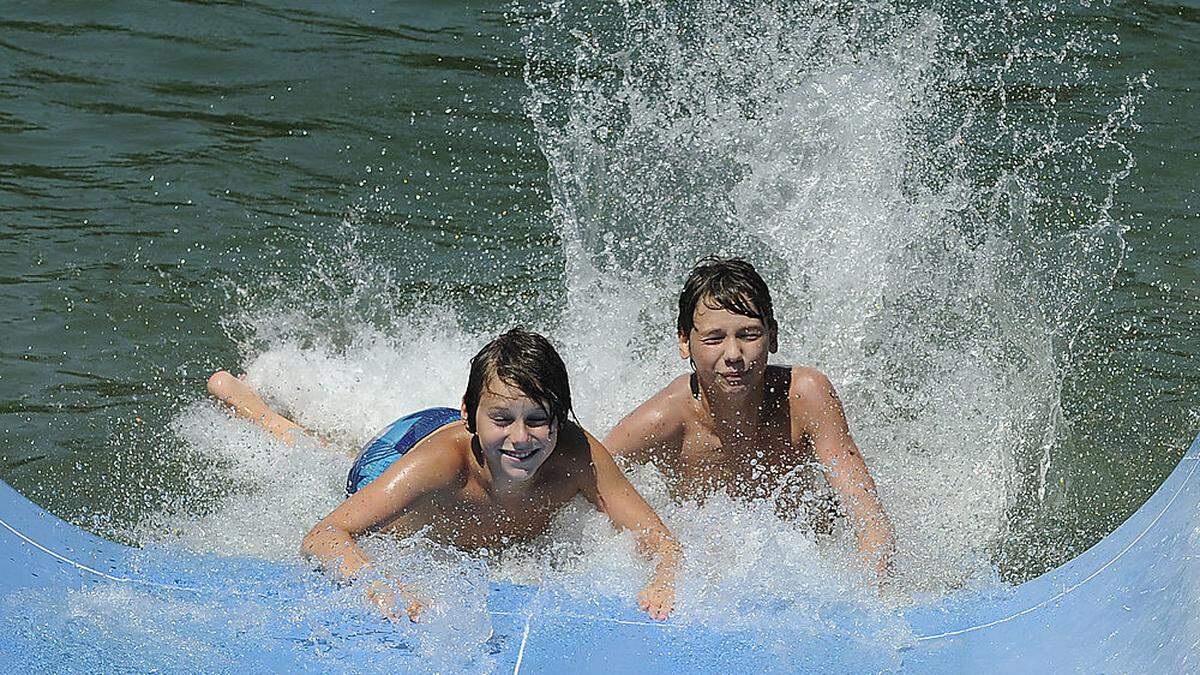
(73,602)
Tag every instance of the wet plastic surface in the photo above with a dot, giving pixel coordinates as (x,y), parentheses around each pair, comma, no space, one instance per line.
(72,602)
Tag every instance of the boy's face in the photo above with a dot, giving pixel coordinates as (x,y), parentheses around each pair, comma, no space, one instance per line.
(729,350)
(515,432)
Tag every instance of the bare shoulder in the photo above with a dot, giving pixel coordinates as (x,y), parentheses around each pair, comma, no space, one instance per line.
(810,390)
(664,411)
(655,425)
(435,469)
(442,459)
(670,405)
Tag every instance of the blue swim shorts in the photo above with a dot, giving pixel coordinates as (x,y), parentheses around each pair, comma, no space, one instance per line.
(396,439)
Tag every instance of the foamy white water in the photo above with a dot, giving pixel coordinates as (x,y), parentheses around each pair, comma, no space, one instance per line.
(830,148)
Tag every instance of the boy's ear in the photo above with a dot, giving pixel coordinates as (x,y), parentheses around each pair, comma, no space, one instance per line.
(685,350)
(463,410)
(774,347)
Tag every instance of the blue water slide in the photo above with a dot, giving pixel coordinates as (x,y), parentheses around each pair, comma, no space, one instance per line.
(73,602)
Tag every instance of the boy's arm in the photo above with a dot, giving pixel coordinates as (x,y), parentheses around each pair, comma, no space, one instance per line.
(613,494)
(422,472)
(649,428)
(822,417)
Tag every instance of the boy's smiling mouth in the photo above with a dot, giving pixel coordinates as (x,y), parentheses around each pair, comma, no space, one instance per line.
(519,455)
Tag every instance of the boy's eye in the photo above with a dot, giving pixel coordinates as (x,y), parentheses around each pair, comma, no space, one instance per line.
(751,335)
(500,419)
(537,421)
(712,340)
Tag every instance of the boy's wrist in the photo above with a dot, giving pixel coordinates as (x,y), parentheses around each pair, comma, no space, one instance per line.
(664,576)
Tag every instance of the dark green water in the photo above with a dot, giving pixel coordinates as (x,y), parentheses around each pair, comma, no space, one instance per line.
(152,155)
(172,172)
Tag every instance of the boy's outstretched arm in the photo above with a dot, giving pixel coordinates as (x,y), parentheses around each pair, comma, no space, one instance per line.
(416,475)
(613,494)
(816,401)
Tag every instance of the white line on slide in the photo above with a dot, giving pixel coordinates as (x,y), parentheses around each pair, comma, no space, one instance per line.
(521,651)
(1088,578)
(530,608)
(97,572)
(231,591)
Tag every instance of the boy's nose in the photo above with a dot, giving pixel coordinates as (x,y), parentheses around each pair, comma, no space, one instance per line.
(733,351)
(518,433)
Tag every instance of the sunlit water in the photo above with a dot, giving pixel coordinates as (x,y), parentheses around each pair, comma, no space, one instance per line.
(944,201)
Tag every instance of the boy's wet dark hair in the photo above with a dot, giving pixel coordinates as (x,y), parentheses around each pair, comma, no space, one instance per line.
(526,361)
(725,283)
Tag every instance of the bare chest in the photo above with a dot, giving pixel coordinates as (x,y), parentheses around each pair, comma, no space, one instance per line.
(476,520)
(745,465)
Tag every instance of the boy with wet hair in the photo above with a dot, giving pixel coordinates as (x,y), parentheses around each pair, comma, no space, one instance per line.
(492,472)
(751,429)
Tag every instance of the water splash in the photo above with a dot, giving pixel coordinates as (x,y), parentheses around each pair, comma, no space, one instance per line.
(934,231)
(908,211)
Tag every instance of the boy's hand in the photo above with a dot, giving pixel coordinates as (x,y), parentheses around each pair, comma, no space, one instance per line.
(384,596)
(657,600)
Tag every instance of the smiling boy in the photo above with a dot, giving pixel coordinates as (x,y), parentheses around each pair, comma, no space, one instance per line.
(489,474)
(739,425)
